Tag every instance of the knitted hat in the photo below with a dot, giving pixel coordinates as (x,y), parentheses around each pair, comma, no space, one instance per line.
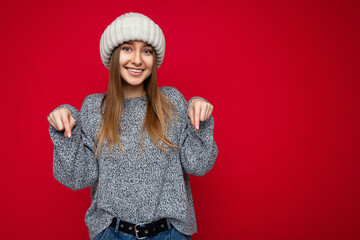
(132,26)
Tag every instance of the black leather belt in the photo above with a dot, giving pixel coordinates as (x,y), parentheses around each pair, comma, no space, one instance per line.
(141,230)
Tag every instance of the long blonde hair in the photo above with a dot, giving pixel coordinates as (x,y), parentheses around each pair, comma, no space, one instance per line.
(158,110)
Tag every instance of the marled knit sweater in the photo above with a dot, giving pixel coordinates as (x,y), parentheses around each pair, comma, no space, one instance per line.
(127,186)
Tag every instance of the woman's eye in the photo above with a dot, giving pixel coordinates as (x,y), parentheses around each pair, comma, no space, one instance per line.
(127,49)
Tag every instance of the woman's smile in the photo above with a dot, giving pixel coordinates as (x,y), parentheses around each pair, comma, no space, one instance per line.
(135,71)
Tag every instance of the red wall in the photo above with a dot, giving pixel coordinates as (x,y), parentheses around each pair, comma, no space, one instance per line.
(283,77)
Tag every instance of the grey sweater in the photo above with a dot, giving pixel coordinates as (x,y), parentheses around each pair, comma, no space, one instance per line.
(127,186)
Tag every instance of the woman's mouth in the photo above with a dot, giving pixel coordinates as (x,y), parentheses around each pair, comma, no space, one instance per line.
(134,71)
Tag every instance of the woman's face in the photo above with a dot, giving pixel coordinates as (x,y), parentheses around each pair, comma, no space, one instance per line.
(136,62)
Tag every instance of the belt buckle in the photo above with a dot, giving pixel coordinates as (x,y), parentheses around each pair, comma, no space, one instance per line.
(136,231)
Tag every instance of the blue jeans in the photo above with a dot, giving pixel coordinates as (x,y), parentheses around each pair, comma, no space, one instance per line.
(172,233)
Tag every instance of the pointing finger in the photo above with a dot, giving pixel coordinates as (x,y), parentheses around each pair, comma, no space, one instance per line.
(66,123)
(191,115)
(197,115)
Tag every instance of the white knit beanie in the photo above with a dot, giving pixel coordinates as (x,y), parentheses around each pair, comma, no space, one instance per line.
(132,26)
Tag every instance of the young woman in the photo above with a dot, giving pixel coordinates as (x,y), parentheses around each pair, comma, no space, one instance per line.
(136,144)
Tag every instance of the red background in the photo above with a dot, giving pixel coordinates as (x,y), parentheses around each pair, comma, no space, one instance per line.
(283,77)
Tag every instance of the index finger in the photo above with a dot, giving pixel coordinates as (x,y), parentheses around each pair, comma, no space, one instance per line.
(66,122)
(197,115)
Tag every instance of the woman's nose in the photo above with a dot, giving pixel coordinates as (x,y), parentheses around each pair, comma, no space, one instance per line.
(136,58)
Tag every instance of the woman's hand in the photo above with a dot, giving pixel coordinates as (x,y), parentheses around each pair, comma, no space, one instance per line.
(199,110)
(60,119)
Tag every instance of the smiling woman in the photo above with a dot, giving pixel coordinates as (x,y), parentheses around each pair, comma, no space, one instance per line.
(135,145)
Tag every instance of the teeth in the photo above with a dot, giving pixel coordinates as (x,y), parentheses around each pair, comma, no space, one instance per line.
(135,70)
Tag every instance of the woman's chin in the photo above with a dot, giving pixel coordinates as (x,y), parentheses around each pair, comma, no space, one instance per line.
(134,84)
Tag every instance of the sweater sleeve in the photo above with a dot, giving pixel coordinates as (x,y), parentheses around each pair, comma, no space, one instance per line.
(199,150)
(74,163)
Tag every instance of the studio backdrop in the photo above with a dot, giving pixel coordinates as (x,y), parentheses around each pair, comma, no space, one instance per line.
(283,77)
